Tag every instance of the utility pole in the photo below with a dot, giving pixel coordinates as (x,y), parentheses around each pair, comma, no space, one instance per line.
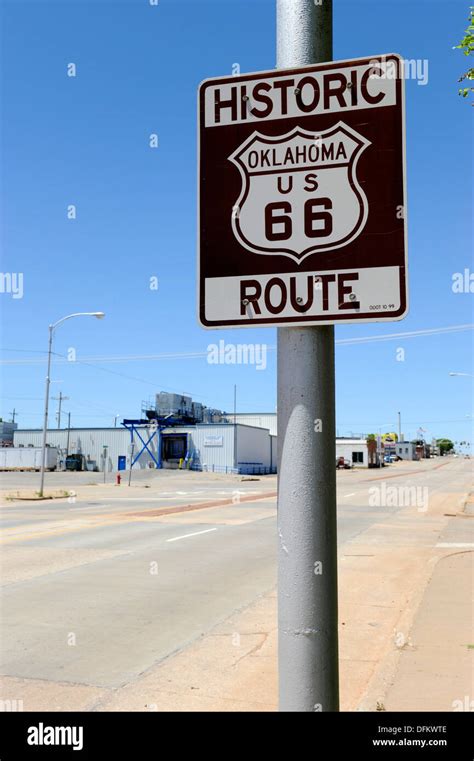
(68,432)
(399,426)
(104,458)
(132,450)
(13,414)
(51,329)
(60,399)
(46,410)
(236,464)
(307,551)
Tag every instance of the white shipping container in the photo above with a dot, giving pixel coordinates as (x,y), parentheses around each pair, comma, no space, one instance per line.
(27,458)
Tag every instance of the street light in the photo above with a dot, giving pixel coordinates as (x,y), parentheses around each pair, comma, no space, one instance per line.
(99,316)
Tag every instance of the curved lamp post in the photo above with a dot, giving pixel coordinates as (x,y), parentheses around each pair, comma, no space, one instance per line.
(52,328)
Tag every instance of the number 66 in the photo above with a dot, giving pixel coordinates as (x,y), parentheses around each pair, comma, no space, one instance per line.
(311,216)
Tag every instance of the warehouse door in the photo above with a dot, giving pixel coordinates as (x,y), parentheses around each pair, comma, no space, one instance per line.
(173,449)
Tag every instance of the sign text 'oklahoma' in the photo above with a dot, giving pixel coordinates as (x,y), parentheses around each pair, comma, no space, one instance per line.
(302,216)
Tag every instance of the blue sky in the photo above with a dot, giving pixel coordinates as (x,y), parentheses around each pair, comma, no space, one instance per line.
(84,140)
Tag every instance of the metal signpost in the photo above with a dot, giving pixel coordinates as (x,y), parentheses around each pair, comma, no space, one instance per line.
(104,458)
(302,225)
(131,450)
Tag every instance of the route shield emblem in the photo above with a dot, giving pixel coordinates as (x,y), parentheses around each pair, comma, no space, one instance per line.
(300,193)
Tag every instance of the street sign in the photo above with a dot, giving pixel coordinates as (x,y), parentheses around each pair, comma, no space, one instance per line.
(302,211)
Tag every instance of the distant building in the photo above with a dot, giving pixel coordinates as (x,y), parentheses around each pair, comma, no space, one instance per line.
(359,452)
(354,451)
(258,419)
(216,447)
(406,450)
(422,449)
(389,443)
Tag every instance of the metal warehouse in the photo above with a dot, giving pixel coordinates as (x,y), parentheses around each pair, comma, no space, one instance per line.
(259,419)
(219,448)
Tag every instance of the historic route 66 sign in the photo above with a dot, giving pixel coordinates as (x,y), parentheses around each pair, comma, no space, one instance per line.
(318,204)
(302,201)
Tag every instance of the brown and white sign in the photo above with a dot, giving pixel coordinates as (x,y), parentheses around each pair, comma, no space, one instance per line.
(302,206)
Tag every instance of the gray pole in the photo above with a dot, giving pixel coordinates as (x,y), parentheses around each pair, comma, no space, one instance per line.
(68,432)
(99,316)
(132,449)
(399,426)
(104,453)
(46,405)
(307,552)
(60,399)
(236,464)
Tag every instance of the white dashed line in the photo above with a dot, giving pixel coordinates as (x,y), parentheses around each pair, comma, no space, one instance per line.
(196,533)
(455,544)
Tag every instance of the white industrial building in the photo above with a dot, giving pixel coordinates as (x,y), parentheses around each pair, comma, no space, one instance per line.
(177,432)
(219,448)
(258,419)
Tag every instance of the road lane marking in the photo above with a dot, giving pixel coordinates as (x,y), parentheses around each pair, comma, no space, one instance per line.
(348,495)
(195,533)
(455,544)
(145,499)
(123,518)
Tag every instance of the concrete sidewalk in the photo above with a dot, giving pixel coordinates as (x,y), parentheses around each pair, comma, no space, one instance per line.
(435,671)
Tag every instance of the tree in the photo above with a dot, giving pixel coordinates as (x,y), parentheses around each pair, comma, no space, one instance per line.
(445,445)
(467,47)
(372,449)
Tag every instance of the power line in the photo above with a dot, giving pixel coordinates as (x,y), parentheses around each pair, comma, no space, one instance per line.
(64,360)
(200,354)
(24,398)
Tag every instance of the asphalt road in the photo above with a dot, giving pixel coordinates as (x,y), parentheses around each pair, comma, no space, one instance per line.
(94,592)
